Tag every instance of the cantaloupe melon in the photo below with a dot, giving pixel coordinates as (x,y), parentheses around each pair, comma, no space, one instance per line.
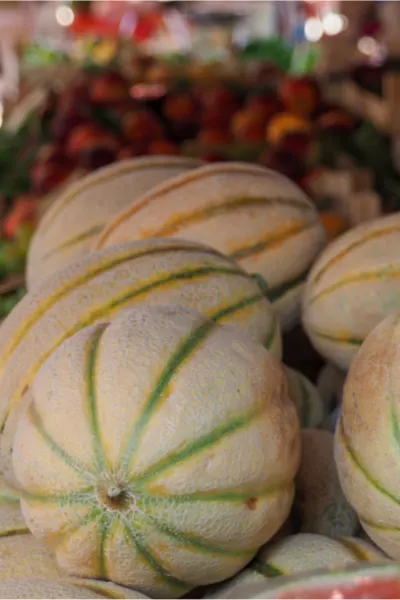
(353,285)
(159,451)
(79,589)
(320,505)
(357,580)
(367,435)
(70,225)
(305,397)
(299,553)
(97,287)
(254,215)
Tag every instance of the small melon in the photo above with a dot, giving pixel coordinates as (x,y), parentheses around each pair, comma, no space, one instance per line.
(320,505)
(165,447)
(79,589)
(352,286)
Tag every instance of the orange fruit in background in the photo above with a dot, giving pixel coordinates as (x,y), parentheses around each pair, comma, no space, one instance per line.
(285,123)
(299,95)
(248,125)
(333,224)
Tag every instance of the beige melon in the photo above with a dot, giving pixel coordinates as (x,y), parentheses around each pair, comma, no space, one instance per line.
(353,285)
(305,397)
(299,553)
(320,505)
(367,436)
(79,589)
(97,287)
(70,225)
(254,215)
(159,451)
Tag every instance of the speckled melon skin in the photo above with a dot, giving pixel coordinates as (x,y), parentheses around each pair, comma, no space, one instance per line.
(366,439)
(69,227)
(352,286)
(320,504)
(252,214)
(294,554)
(20,588)
(180,458)
(97,287)
(305,397)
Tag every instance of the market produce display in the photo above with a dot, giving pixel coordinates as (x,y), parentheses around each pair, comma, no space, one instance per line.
(116,498)
(198,388)
(253,215)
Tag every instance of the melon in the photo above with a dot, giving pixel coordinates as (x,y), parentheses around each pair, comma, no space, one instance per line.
(256,216)
(159,451)
(70,225)
(299,553)
(305,397)
(353,285)
(95,288)
(367,435)
(353,581)
(320,505)
(79,589)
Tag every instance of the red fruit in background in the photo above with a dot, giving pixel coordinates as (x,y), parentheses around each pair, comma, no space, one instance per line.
(89,135)
(74,97)
(162,147)
(218,105)
(95,157)
(248,126)
(141,126)
(264,104)
(51,153)
(109,88)
(296,143)
(284,163)
(23,211)
(46,176)
(212,135)
(181,107)
(130,152)
(336,120)
(299,95)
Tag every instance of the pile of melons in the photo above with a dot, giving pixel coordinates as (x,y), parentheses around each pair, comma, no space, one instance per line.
(153,443)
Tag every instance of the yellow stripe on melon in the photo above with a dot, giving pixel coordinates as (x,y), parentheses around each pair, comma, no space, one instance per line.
(353,285)
(294,554)
(95,288)
(11,519)
(159,451)
(252,214)
(69,227)
(305,397)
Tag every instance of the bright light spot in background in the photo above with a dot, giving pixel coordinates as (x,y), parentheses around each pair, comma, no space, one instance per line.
(64,16)
(334,23)
(368,46)
(313,29)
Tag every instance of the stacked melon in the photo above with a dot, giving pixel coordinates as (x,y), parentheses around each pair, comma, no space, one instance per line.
(148,427)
